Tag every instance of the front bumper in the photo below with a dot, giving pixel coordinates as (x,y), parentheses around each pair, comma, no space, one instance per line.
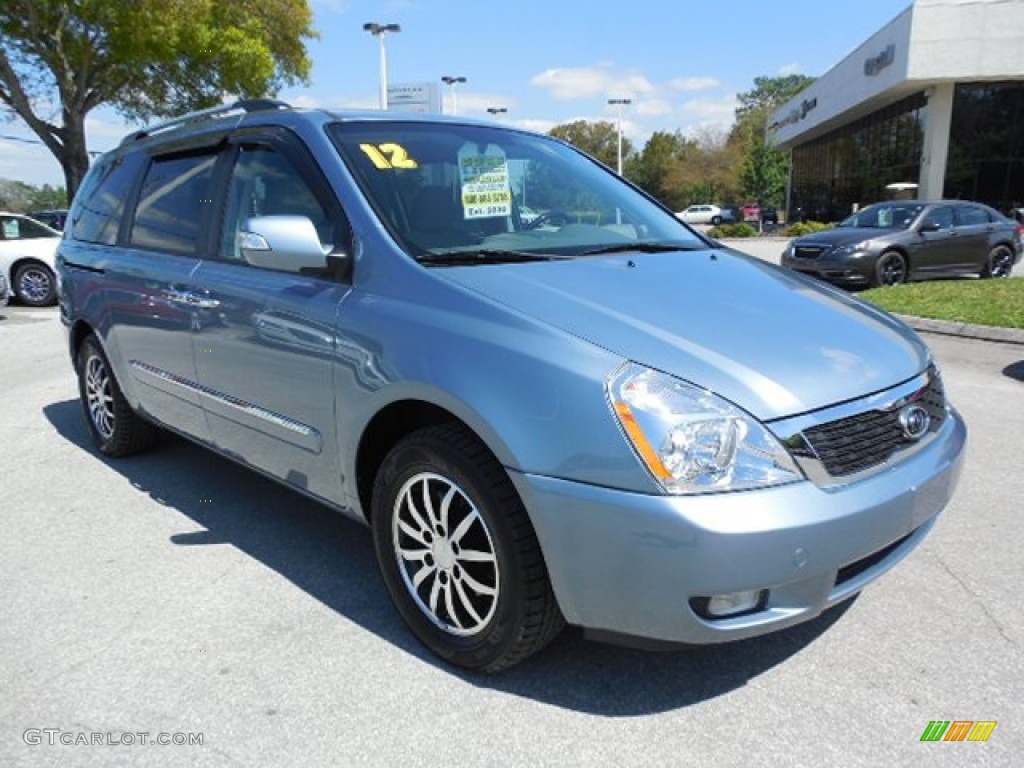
(850,271)
(629,564)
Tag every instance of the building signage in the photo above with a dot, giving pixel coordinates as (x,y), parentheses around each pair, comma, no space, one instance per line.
(796,114)
(875,64)
(414,97)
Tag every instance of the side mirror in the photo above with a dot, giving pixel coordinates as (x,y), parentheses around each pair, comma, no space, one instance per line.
(288,243)
(929,226)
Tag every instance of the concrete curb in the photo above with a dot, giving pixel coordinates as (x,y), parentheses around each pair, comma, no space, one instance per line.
(965,330)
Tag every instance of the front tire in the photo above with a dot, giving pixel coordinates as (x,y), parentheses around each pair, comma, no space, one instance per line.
(115,428)
(35,285)
(890,269)
(998,263)
(458,553)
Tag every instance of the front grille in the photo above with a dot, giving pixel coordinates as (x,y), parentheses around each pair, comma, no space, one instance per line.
(808,251)
(855,443)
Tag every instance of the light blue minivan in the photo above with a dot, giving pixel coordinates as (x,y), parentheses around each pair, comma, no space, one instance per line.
(591,414)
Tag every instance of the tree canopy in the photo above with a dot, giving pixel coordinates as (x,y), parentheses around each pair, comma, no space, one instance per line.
(764,169)
(60,59)
(598,139)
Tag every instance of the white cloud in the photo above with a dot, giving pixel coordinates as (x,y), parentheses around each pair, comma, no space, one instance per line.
(652,107)
(791,69)
(571,83)
(712,111)
(576,83)
(694,83)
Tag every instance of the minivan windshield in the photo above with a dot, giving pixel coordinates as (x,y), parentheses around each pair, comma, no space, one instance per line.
(884,216)
(446,190)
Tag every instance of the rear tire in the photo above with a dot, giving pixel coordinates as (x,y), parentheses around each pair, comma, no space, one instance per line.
(998,263)
(458,553)
(115,428)
(35,285)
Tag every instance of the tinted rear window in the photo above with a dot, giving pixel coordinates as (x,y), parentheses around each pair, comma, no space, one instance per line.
(969,215)
(99,205)
(173,201)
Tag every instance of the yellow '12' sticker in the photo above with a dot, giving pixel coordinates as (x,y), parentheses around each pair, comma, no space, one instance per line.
(389,156)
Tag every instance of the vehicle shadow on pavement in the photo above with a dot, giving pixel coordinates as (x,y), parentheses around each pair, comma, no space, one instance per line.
(1015,370)
(331,558)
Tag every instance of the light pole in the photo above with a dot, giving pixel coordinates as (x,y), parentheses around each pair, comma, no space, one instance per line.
(495,111)
(619,104)
(378,30)
(451,81)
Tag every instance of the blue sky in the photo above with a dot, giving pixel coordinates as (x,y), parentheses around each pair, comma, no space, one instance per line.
(549,62)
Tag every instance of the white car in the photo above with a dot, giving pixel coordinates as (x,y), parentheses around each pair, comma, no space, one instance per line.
(703,214)
(27,250)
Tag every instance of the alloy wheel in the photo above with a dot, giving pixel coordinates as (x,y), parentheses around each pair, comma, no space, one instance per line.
(446,554)
(99,398)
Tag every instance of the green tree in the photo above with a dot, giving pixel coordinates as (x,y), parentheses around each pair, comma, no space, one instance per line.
(764,169)
(145,58)
(652,167)
(707,171)
(598,139)
(768,94)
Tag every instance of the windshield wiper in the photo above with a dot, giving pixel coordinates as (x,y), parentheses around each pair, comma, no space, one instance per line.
(642,247)
(483,256)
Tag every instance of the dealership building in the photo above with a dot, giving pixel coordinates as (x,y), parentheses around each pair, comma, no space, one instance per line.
(935,98)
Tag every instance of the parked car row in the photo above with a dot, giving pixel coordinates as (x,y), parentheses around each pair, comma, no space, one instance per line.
(893,242)
(714,215)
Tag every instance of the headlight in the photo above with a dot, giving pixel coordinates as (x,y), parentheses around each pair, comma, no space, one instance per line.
(846,250)
(690,439)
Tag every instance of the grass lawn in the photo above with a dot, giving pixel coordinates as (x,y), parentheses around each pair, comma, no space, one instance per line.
(983,302)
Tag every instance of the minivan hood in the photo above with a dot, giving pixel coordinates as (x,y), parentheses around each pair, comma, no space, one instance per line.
(773,342)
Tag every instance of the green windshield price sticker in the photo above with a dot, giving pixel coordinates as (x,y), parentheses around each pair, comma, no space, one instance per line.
(485,185)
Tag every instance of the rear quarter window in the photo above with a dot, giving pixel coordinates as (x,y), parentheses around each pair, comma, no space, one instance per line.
(99,205)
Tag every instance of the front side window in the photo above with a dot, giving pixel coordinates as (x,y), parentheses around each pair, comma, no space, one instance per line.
(941,215)
(445,188)
(266,183)
(884,216)
(174,203)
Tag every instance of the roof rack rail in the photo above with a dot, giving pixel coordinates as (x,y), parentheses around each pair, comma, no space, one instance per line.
(242,105)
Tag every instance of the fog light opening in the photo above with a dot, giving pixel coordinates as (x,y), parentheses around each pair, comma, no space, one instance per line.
(729,605)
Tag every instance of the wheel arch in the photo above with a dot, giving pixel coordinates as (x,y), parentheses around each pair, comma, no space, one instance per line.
(76,336)
(389,425)
(902,250)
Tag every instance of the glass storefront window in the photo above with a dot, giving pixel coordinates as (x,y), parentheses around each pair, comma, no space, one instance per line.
(851,166)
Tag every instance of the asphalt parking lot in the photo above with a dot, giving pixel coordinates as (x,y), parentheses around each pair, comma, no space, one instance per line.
(176,593)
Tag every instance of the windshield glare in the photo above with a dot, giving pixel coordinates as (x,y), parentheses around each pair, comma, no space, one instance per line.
(443,187)
(884,216)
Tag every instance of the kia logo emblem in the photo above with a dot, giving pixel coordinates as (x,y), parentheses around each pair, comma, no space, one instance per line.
(915,422)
